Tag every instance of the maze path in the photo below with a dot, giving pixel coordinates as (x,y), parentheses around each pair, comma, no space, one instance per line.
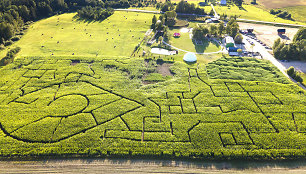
(67,106)
(73,102)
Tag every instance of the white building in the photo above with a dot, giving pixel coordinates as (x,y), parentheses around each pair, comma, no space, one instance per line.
(223,2)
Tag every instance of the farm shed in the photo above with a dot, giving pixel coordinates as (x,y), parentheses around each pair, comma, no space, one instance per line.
(233,53)
(223,2)
(281,31)
(232,49)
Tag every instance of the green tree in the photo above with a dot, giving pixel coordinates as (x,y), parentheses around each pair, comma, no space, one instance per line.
(221,28)
(276,43)
(277,50)
(213,29)
(154,20)
(300,35)
(238,39)
(170,15)
(160,39)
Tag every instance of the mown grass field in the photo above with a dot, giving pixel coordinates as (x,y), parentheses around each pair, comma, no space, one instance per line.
(65,35)
(186,43)
(253,13)
(298,12)
(88,105)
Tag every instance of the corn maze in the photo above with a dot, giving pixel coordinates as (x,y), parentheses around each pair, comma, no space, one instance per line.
(52,102)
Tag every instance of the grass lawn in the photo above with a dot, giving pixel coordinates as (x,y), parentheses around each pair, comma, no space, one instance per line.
(304,78)
(185,43)
(298,12)
(253,13)
(65,35)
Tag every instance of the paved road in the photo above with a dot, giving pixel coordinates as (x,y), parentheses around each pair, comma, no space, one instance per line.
(216,14)
(266,55)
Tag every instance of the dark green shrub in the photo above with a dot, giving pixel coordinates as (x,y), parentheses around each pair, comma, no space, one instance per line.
(291,72)
(8,43)
(15,38)
(9,56)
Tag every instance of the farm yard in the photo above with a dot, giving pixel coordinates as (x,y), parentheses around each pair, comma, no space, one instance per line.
(268,34)
(185,42)
(85,88)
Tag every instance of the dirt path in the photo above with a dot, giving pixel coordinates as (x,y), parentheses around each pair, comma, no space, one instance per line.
(146,166)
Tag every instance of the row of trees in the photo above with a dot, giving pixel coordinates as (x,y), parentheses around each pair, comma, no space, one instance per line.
(281,14)
(199,32)
(185,7)
(181,7)
(95,13)
(237,2)
(231,29)
(293,51)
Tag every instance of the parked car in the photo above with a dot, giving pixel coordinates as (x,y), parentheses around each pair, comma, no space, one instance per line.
(284,60)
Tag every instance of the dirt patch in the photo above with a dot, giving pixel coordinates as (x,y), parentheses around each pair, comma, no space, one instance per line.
(164,69)
(74,62)
(268,34)
(160,71)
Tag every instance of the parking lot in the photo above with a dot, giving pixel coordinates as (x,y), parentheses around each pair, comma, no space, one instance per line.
(268,34)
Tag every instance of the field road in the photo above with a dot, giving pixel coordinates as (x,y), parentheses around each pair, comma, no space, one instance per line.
(266,55)
(239,19)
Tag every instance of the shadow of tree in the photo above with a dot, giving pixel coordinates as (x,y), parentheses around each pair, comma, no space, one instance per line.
(85,20)
(201,48)
(242,8)
(284,37)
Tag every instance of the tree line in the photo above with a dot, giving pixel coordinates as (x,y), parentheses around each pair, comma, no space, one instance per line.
(181,7)
(231,29)
(95,13)
(281,14)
